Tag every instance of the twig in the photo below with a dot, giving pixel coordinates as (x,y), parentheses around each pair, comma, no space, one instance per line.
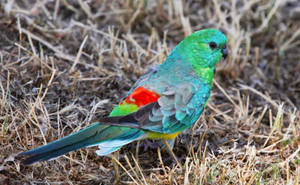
(58,53)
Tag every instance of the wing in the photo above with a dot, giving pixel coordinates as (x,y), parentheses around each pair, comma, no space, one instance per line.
(176,108)
(137,96)
(143,79)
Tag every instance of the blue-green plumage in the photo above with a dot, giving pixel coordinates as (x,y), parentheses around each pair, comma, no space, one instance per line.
(166,100)
(90,136)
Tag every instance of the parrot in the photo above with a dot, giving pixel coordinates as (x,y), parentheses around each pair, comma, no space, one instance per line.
(164,101)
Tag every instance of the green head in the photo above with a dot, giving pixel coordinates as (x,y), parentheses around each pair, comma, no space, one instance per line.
(204,48)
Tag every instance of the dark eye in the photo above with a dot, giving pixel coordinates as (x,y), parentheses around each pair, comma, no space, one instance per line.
(213,45)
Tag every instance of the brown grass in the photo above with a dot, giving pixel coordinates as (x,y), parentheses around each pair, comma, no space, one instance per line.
(66,62)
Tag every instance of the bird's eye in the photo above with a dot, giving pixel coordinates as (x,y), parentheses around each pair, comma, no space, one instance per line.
(213,45)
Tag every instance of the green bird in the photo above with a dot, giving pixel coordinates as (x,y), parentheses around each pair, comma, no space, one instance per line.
(163,102)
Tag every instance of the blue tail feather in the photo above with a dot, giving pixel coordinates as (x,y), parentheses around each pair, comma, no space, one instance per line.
(113,137)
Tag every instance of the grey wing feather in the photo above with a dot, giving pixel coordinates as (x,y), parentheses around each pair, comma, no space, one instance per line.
(143,79)
(172,112)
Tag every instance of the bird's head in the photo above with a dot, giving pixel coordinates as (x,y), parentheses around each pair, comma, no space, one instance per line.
(204,48)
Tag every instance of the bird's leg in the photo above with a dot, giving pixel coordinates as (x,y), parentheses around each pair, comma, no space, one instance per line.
(171,152)
(137,150)
(115,164)
(164,147)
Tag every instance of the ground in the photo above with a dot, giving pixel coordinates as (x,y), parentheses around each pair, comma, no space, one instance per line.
(66,62)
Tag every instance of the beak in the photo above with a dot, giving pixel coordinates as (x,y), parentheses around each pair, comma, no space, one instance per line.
(225,52)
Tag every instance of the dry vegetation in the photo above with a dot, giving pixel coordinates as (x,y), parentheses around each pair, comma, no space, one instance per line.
(65,62)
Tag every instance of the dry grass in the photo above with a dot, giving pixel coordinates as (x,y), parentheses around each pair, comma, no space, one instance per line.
(65,62)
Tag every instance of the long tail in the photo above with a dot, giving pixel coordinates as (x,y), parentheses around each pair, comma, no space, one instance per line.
(109,138)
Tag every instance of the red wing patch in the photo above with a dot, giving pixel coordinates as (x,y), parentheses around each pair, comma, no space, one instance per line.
(141,96)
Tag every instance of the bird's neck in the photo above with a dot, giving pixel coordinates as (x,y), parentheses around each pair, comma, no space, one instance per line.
(205,73)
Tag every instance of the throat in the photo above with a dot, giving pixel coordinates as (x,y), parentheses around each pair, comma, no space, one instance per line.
(206,74)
